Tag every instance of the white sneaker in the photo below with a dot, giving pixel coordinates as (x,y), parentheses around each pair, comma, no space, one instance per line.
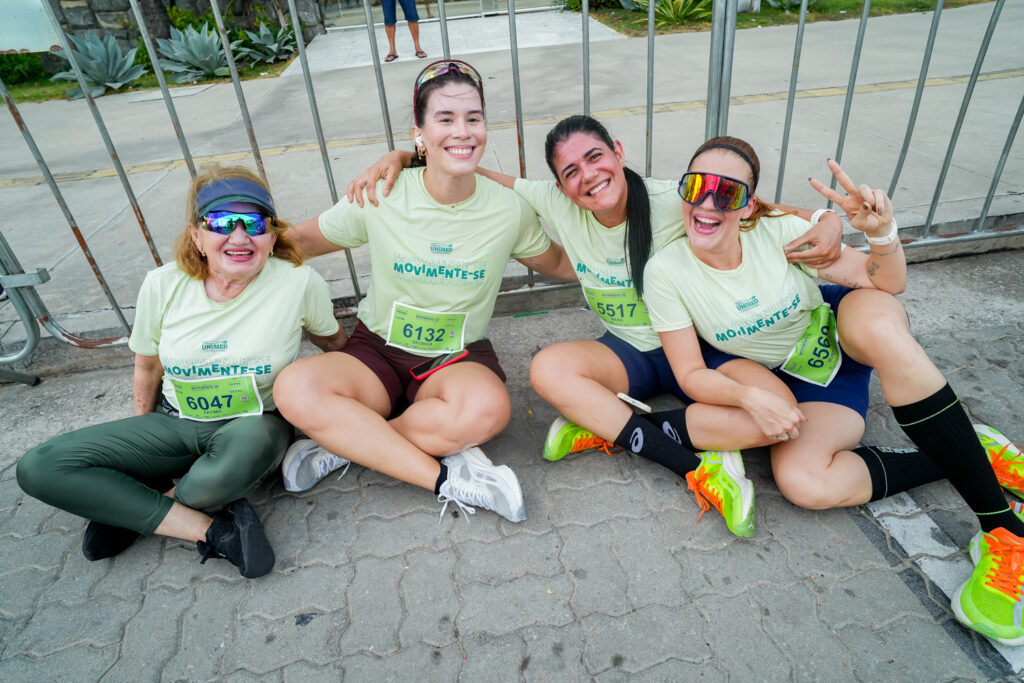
(306,462)
(474,480)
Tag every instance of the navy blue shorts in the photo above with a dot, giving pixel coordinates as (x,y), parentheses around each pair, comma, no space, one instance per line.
(408,9)
(649,372)
(848,388)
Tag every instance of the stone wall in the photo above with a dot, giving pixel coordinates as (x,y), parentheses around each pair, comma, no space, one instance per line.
(116,17)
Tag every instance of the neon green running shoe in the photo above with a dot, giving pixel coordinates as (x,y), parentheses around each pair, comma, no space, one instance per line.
(720,481)
(1005,457)
(974,547)
(990,602)
(566,437)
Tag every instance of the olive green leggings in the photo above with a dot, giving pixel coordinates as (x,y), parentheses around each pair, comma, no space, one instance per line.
(95,472)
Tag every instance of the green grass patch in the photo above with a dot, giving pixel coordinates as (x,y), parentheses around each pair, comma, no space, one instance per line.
(42,89)
(634,24)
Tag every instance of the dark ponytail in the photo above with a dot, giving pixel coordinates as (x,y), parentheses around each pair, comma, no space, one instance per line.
(638,237)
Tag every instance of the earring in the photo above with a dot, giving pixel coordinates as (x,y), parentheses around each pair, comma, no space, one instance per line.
(271,252)
(421,152)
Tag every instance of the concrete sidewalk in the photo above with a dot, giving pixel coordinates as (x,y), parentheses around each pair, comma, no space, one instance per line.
(611,576)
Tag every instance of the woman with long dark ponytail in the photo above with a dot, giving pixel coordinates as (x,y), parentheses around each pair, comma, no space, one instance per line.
(610,220)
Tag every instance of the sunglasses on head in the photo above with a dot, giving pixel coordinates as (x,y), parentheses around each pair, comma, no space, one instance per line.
(728,194)
(225,222)
(432,71)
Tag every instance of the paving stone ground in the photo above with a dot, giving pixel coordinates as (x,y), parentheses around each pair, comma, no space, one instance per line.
(610,577)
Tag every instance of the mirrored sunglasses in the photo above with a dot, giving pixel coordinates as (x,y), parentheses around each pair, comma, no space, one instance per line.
(225,222)
(727,193)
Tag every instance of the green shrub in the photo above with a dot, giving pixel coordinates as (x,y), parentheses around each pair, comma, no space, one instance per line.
(267,45)
(193,54)
(103,64)
(182,19)
(790,5)
(577,5)
(23,67)
(674,12)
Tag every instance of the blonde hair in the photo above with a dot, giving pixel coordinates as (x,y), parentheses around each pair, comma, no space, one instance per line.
(187,254)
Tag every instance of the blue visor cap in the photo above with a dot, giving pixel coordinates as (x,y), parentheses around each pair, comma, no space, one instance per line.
(226,190)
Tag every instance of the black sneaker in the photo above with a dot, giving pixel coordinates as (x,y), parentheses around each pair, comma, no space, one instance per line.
(237,535)
(101,541)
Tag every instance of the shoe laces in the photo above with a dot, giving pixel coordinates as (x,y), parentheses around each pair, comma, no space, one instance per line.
(1007,563)
(587,440)
(330,462)
(1003,463)
(697,481)
(466,509)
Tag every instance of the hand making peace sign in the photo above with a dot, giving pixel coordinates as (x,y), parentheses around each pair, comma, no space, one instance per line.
(868,210)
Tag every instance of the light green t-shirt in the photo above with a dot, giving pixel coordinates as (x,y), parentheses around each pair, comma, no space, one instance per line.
(258,332)
(436,268)
(599,254)
(758,310)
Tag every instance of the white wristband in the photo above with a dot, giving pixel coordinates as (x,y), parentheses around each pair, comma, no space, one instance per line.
(888,239)
(816,216)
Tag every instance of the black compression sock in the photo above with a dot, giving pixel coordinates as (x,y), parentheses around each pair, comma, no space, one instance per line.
(673,423)
(939,426)
(646,439)
(897,469)
(441,478)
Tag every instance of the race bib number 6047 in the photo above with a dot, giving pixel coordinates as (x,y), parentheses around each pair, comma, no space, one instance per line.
(220,398)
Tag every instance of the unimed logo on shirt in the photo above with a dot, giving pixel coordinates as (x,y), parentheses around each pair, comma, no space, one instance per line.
(215,345)
(746,303)
(438,248)
(621,261)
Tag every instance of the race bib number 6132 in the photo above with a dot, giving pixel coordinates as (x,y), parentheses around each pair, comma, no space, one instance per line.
(423,331)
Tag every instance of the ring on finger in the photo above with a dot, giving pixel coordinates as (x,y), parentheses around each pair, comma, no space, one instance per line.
(782,437)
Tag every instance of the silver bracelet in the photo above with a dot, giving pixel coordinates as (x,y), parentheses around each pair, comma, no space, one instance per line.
(887,239)
(816,216)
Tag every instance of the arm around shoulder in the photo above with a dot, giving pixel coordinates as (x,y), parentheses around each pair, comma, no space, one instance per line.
(310,239)
(554,262)
(500,178)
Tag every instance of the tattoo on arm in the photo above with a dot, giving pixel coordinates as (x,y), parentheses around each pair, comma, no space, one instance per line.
(839,281)
(872,268)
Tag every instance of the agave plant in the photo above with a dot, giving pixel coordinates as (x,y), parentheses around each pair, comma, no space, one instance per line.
(103,64)
(193,54)
(268,46)
(673,12)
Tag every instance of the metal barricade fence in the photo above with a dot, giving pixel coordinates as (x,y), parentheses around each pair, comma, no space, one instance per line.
(21,285)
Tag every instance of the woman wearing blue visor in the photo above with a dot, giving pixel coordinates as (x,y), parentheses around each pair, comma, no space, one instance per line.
(212,331)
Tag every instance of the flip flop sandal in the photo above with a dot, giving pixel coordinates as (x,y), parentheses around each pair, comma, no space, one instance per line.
(392,56)
(421,54)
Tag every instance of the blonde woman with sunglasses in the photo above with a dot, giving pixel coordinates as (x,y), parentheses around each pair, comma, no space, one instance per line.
(212,332)
(418,387)
(728,284)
